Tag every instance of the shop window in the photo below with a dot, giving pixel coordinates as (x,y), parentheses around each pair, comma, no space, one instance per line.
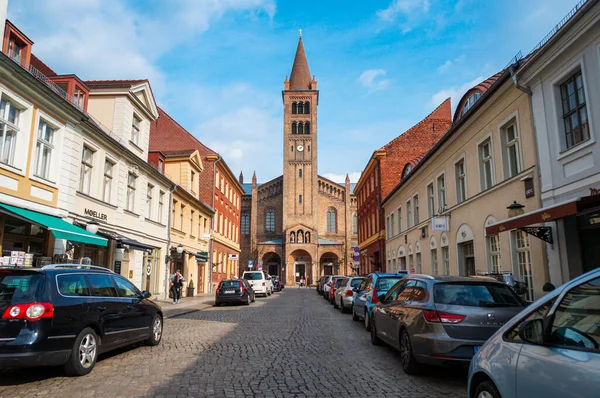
(494,257)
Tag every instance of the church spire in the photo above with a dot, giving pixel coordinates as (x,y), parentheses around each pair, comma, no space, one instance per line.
(300,78)
(241,177)
(254,180)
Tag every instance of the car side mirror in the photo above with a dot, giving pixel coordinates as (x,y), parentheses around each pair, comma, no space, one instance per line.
(532,331)
(146,294)
(381,298)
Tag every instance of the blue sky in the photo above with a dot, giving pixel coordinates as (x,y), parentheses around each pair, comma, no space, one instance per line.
(218,66)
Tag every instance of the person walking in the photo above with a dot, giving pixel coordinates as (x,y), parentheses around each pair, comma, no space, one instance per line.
(308,282)
(176,284)
(301,282)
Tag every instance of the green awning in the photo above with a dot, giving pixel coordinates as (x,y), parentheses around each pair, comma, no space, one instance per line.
(59,227)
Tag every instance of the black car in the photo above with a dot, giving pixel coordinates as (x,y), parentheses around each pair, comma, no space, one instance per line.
(65,314)
(234,291)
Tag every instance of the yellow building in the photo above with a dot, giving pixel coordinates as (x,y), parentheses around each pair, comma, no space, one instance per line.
(436,217)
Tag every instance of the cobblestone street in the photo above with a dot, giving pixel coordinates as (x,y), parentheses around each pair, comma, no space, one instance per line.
(290,344)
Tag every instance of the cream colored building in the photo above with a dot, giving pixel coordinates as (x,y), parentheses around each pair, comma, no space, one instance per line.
(485,162)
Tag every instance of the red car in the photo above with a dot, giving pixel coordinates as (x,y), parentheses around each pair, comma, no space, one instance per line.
(335,283)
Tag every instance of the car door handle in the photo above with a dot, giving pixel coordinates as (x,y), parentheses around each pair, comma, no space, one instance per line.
(101,309)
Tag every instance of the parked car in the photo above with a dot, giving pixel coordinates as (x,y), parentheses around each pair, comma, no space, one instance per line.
(441,320)
(550,349)
(66,315)
(367,295)
(327,285)
(236,291)
(335,283)
(320,283)
(344,295)
(277,287)
(259,282)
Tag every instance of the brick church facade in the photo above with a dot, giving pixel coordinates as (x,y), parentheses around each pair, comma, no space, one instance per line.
(300,223)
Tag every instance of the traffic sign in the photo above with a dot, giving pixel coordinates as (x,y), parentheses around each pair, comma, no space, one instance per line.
(250,263)
(355,258)
(356,249)
(412,270)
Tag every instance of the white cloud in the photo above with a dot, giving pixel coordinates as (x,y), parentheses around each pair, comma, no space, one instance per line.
(373,80)
(446,66)
(403,8)
(341,178)
(455,93)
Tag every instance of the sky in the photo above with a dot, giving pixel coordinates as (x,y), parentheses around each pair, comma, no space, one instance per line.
(218,66)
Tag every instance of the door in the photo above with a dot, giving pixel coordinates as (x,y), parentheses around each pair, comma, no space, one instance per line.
(109,309)
(138,314)
(390,311)
(200,281)
(360,301)
(571,359)
(300,271)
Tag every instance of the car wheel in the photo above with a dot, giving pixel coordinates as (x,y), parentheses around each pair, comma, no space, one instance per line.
(156,329)
(355,317)
(375,340)
(367,321)
(247,302)
(217,304)
(486,389)
(407,359)
(83,354)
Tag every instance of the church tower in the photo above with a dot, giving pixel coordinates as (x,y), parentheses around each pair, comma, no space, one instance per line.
(300,100)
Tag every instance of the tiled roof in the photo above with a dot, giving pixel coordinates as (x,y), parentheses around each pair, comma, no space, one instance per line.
(328,242)
(42,67)
(481,87)
(300,77)
(124,82)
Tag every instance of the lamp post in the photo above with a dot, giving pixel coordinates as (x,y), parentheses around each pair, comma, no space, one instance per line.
(515,209)
(92,227)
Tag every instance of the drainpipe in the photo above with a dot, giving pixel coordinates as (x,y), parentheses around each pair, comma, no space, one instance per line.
(513,73)
(212,225)
(167,256)
(380,242)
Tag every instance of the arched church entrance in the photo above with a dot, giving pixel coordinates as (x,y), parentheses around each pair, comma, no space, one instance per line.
(272,263)
(329,264)
(300,264)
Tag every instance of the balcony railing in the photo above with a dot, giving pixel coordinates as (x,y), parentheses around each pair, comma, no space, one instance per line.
(55,87)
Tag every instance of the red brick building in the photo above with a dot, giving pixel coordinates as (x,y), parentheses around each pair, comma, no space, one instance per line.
(382,173)
(217,187)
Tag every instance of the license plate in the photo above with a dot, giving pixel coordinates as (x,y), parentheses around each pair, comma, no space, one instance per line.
(476,349)
(229,291)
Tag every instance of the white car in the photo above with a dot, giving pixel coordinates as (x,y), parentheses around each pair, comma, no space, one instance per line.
(259,282)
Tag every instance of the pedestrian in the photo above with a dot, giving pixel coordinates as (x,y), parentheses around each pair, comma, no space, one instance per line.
(176,284)
(308,282)
(301,281)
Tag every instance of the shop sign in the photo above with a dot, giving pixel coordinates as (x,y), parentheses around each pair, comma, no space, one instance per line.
(594,191)
(95,214)
(149,268)
(117,267)
(529,192)
(233,257)
(439,224)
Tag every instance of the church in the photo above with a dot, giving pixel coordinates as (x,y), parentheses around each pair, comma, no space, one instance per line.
(299,224)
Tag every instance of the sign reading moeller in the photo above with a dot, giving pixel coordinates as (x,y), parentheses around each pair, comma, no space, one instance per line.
(95,214)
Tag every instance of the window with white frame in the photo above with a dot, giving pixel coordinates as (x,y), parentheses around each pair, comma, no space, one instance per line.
(161,198)
(108,180)
(181,211)
(416,209)
(135,130)
(9,129)
(523,257)
(511,153)
(419,266)
(486,165)
(574,111)
(446,260)
(409,218)
(434,262)
(441,193)
(131,180)
(495,264)
(87,166)
(410,262)
(461,181)
(149,202)
(399,219)
(403,263)
(430,201)
(392,225)
(43,150)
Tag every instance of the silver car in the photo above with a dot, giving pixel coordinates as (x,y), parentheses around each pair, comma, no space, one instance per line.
(551,349)
(441,320)
(344,295)
(327,285)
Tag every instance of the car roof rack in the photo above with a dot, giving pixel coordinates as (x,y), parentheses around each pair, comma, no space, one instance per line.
(77,266)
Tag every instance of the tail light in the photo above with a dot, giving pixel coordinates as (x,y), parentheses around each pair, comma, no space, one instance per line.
(349,292)
(31,311)
(242,288)
(442,317)
(374,298)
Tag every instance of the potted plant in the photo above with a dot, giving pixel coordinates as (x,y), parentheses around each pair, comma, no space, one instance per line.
(190,288)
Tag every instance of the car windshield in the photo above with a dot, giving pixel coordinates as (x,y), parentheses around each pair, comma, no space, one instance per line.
(356,282)
(18,288)
(476,295)
(385,284)
(230,284)
(253,276)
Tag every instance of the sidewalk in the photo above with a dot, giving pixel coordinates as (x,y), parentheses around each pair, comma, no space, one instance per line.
(186,305)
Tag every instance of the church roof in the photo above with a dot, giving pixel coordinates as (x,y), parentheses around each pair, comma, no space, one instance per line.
(300,77)
(248,187)
(278,241)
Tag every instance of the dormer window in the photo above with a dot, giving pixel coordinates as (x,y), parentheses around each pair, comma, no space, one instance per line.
(407,170)
(14,50)
(79,98)
(16,45)
(470,102)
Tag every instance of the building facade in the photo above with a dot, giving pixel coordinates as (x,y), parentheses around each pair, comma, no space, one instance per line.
(299,224)
(382,173)
(445,200)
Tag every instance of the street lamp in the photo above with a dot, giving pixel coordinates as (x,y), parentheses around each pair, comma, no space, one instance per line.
(180,249)
(92,227)
(515,209)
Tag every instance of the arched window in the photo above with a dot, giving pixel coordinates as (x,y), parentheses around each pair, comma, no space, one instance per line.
(299,173)
(300,108)
(331,220)
(306,108)
(355,223)
(270,221)
(294,108)
(307,128)
(294,128)
(292,237)
(307,237)
(300,128)
(245,224)
(300,236)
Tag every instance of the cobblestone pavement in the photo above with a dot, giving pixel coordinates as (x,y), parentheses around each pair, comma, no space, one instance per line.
(292,344)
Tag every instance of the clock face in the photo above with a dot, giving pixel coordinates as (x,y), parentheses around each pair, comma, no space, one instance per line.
(300,148)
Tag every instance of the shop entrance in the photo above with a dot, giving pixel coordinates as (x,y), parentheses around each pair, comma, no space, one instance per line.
(466,254)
